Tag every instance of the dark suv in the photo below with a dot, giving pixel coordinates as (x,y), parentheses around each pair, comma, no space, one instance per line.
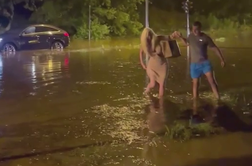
(39,36)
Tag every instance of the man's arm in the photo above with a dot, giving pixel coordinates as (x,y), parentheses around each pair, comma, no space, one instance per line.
(218,52)
(215,48)
(184,41)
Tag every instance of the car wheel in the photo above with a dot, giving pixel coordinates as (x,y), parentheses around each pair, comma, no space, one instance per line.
(57,45)
(9,48)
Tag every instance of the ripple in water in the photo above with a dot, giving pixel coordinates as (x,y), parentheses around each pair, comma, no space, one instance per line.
(93,83)
(123,122)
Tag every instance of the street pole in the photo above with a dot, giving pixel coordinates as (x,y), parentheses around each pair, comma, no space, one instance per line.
(188,29)
(146,22)
(89,38)
(146,13)
(188,33)
(187,5)
(89,23)
(146,26)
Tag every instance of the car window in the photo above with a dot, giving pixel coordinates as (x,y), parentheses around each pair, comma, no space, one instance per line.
(29,30)
(45,29)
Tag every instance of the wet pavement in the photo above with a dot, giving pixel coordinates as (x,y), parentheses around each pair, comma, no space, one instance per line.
(87,109)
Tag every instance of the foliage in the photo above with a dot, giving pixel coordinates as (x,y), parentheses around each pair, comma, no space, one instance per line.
(109,17)
(228,25)
(220,17)
(121,18)
(167,22)
(220,8)
(183,132)
(98,30)
(7,11)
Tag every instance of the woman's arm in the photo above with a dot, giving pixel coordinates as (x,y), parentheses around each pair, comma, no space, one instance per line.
(182,39)
(141,58)
(172,36)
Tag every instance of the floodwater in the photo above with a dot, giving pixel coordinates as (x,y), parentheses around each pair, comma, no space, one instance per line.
(87,109)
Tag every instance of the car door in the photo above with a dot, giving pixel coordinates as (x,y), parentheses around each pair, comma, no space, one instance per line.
(45,35)
(29,40)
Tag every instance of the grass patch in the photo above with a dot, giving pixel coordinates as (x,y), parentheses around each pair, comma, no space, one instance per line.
(183,132)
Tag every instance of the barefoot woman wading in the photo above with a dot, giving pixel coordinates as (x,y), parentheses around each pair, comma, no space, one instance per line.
(156,67)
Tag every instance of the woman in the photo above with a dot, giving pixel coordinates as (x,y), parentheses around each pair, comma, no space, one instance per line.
(156,66)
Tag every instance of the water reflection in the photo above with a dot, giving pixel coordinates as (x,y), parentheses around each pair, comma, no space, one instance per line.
(161,112)
(156,118)
(31,71)
(156,121)
(1,74)
(202,111)
(220,114)
(161,115)
(228,119)
(66,60)
(227,161)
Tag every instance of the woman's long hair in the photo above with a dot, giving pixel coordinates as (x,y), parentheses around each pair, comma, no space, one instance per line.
(148,41)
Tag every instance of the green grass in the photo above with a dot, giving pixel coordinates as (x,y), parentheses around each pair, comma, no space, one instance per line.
(181,131)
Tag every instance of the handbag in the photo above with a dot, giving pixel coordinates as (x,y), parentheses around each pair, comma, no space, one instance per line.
(170,48)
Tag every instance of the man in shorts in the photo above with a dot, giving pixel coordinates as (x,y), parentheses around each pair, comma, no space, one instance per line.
(199,64)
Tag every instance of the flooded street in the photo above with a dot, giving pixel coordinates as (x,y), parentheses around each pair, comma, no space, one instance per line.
(87,109)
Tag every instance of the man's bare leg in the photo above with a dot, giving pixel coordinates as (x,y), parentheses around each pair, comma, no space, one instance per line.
(213,84)
(195,88)
(195,107)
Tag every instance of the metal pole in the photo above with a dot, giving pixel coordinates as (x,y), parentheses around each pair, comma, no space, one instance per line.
(146,26)
(146,13)
(188,28)
(187,10)
(146,22)
(89,23)
(89,38)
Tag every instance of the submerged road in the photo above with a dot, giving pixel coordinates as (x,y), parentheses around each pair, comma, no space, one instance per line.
(80,108)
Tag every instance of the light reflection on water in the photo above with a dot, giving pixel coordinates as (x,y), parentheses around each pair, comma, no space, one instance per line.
(73,98)
(1,74)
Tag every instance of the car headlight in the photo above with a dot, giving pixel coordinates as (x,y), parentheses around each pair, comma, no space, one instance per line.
(1,39)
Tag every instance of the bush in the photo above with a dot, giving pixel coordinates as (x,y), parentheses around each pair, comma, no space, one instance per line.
(221,26)
(168,21)
(98,30)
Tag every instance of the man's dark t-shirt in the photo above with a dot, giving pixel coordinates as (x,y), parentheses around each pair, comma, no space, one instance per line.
(198,47)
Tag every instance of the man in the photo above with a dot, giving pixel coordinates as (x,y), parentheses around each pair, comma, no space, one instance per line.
(199,63)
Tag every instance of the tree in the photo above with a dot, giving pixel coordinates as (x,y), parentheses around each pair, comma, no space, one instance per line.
(111,17)
(7,11)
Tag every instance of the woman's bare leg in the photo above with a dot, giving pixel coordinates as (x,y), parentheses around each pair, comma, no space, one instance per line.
(164,75)
(150,85)
(161,90)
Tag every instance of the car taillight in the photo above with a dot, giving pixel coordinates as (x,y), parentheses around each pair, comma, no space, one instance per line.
(66,34)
